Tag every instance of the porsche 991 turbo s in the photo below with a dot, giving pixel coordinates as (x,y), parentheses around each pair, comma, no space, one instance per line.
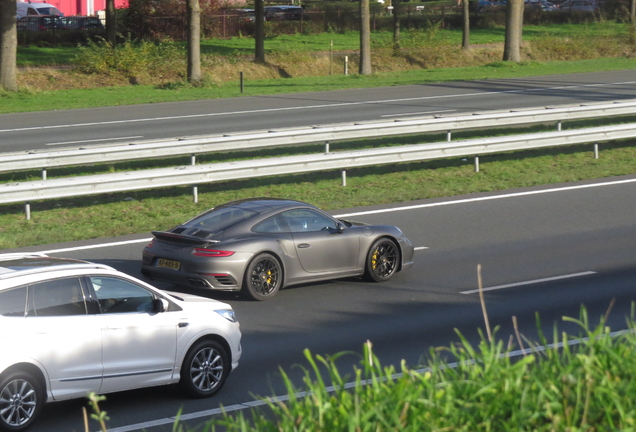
(259,245)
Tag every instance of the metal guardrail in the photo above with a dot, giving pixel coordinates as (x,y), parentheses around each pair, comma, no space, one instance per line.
(283,137)
(197,174)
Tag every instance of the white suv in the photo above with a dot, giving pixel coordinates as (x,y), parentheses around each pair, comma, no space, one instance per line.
(70,327)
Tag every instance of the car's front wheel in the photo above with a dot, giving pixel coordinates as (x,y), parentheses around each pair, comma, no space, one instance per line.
(21,398)
(205,369)
(263,277)
(382,260)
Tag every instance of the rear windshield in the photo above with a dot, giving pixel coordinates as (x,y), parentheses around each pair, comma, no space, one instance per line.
(221,219)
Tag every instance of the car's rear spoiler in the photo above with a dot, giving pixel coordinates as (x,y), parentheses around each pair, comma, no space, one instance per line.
(180,238)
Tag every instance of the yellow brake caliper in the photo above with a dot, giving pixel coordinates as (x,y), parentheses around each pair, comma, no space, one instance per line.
(374,259)
(269,276)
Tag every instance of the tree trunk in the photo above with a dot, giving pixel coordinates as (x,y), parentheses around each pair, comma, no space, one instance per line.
(111,23)
(466,32)
(365,38)
(632,11)
(396,26)
(194,41)
(259,31)
(8,46)
(514,24)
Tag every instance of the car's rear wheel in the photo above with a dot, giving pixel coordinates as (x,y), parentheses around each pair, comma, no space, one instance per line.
(263,277)
(21,398)
(205,369)
(382,260)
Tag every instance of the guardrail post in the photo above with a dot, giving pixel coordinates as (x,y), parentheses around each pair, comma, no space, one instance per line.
(595,150)
(344,177)
(346,66)
(476,163)
(43,173)
(27,210)
(195,190)
(326,146)
(448,136)
(242,85)
(559,126)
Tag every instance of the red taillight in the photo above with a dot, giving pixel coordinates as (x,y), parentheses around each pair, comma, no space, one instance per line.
(151,244)
(212,253)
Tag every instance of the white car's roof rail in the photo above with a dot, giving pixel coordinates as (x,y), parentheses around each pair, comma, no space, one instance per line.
(18,255)
(48,269)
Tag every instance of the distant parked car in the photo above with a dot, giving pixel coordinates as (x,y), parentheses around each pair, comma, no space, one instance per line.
(544,5)
(70,327)
(490,5)
(38,23)
(283,13)
(580,5)
(83,23)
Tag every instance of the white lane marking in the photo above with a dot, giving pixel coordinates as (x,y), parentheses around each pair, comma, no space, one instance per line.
(96,246)
(417,113)
(530,282)
(420,248)
(95,140)
(153,119)
(351,384)
(488,198)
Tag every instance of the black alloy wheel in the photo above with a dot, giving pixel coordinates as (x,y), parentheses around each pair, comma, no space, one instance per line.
(263,277)
(382,260)
(204,369)
(21,398)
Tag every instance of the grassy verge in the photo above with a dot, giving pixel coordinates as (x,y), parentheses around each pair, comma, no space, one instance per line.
(588,386)
(26,101)
(136,212)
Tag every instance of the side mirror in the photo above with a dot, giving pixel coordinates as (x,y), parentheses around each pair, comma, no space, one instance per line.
(341,227)
(160,305)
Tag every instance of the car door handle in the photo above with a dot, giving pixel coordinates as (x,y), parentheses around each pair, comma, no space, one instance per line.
(183,324)
(304,245)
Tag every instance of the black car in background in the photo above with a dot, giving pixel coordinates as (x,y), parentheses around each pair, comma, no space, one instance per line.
(40,23)
(83,23)
(283,13)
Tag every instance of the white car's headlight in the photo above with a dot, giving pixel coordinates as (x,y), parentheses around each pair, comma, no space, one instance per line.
(228,314)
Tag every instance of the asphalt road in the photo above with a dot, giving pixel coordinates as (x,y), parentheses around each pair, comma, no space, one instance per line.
(99,126)
(545,250)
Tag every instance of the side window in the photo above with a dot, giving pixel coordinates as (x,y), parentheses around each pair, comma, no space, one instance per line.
(305,220)
(32,11)
(121,296)
(13,302)
(59,297)
(274,224)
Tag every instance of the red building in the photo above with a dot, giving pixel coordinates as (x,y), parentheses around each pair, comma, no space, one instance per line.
(82,7)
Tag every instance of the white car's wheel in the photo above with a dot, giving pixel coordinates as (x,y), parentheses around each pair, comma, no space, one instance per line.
(21,398)
(204,369)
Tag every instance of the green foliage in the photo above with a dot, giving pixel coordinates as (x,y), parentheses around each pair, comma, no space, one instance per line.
(584,382)
(130,58)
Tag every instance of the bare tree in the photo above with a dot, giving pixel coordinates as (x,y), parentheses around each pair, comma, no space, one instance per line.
(365,38)
(8,45)
(466,29)
(194,41)
(111,23)
(514,25)
(396,26)
(259,31)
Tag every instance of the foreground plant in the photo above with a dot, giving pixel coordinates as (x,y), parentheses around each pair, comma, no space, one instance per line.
(584,382)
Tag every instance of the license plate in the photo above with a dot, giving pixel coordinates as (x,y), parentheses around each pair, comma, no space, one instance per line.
(172,265)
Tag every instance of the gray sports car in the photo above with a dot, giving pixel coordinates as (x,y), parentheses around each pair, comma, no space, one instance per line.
(259,245)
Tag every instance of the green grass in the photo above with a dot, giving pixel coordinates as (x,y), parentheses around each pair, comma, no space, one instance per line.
(25,101)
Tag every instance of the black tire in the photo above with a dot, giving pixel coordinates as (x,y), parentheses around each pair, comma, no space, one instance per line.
(383,260)
(263,277)
(204,369)
(21,399)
